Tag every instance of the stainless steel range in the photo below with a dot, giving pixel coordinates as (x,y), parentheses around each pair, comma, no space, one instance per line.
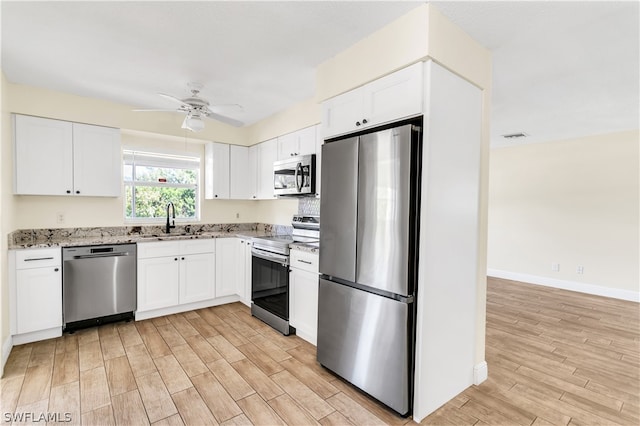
(270,272)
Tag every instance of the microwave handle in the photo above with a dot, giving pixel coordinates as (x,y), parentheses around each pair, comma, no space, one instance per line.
(299,172)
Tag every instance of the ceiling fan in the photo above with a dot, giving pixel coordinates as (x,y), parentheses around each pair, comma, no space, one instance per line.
(197,107)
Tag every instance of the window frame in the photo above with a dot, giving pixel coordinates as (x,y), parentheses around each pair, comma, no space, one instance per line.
(152,157)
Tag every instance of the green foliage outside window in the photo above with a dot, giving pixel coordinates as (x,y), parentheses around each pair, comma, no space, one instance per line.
(149,188)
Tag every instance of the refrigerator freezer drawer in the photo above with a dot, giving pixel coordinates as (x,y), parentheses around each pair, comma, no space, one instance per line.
(367,339)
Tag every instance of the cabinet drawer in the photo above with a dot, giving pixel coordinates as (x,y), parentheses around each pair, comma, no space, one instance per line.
(158,249)
(304,260)
(38,258)
(197,246)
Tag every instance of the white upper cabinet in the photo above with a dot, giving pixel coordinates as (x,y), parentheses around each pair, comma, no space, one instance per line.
(54,157)
(97,160)
(252,171)
(390,98)
(340,114)
(319,143)
(267,154)
(216,159)
(241,174)
(301,142)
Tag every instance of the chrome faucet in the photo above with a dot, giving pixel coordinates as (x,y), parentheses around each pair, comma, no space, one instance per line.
(173,211)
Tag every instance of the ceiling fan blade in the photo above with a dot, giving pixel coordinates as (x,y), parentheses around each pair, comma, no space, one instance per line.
(228,120)
(158,110)
(226,108)
(174,99)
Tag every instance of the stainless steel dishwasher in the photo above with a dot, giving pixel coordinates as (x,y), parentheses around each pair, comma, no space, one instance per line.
(99,284)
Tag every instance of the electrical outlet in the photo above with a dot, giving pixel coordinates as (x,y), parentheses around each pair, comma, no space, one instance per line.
(580,270)
(555,267)
(60,218)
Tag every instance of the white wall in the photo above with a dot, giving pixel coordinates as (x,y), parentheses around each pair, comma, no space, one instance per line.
(574,203)
(7,210)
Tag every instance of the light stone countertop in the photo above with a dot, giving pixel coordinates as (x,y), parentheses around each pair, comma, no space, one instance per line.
(69,237)
(308,247)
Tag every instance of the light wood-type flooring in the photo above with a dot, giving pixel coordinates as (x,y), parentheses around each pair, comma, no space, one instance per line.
(555,357)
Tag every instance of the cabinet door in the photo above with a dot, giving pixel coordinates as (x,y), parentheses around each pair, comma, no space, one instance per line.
(43,156)
(396,96)
(241,173)
(38,299)
(340,114)
(303,312)
(197,277)
(266,156)
(158,282)
(216,171)
(247,272)
(239,269)
(225,266)
(288,146)
(253,171)
(307,140)
(319,143)
(97,161)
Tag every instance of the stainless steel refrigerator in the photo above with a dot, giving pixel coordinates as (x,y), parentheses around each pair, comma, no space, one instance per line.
(369,260)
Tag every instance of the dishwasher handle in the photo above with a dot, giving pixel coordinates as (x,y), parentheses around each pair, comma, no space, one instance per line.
(98,255)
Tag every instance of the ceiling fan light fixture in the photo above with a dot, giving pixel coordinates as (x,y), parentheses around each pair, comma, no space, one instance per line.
(193,122)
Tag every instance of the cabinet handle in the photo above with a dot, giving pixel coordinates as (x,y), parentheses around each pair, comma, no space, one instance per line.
(304,261)
(182,258)
(56,270)
(38,258)
(254,196)
(68,192)
(364,121)
(216,195)
(357,123)
(77,192)
(175,258)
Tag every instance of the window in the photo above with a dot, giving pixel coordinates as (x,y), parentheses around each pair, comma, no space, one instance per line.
(152,180)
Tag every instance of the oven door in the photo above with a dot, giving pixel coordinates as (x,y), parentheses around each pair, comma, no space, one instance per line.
(270,282)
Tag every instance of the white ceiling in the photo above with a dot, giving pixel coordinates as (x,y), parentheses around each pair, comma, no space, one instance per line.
(561,69)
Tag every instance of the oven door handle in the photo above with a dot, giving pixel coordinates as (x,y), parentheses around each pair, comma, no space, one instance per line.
(273,257)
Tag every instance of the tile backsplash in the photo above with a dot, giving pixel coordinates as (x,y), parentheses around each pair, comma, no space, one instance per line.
(309,206)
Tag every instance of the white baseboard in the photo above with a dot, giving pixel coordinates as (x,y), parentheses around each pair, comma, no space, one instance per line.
(36,336)
(185,307)
(632,296)
(7,345)
(480,373)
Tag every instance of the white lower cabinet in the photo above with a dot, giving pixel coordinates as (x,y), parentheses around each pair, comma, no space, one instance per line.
(35,277)
(303,294)
(158,281)
(172,273)
(197,275)
(233,268)
(225,266)
(245,294)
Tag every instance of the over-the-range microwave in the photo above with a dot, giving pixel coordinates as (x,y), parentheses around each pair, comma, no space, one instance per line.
(295,176)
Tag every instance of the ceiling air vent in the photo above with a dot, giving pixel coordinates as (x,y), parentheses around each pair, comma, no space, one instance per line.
(515,135)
